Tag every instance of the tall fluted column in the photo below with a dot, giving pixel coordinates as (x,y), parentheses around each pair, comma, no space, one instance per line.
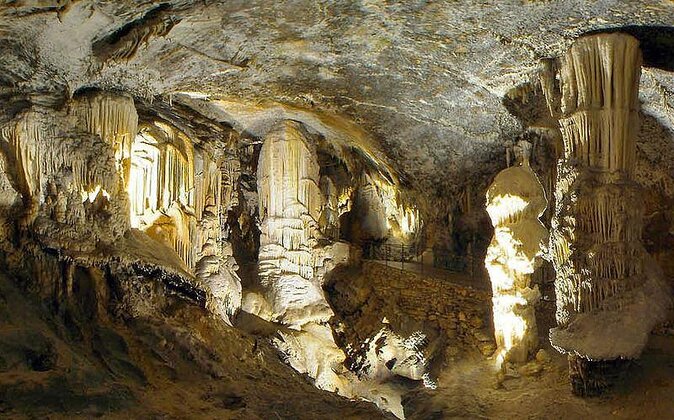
(608,290)
(292,263)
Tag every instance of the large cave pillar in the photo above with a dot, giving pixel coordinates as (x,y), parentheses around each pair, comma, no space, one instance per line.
(290,204)
(292,261)
(515,201)
(609,294)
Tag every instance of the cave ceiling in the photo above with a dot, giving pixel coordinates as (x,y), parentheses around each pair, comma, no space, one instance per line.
(424,80)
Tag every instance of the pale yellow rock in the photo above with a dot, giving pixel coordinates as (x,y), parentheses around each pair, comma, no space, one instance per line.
(515,201)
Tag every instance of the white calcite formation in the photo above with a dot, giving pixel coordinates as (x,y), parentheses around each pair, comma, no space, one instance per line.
(114,119)
(609,291)
(292,262)
(176,193)
(66,168)
(515,201)
(383,213)
(162,188)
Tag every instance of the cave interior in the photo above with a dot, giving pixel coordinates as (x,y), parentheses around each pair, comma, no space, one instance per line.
(358,209)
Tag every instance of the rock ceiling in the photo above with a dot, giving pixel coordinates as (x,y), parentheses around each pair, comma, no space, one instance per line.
(424,79)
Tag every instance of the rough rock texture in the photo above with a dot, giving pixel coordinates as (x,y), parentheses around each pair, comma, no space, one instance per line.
(406,71)
(406,110)
(174,361)
(442,309)
(609,294)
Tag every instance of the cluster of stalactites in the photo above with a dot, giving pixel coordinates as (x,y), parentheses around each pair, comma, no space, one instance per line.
(37,155)
(230,170)
(162,188)
(288,187)
(387,214)
(27,140)
(600,101)
(113,118)
(600,256)
(337,202)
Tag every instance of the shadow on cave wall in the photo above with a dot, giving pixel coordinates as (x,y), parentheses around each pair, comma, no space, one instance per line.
(657,43)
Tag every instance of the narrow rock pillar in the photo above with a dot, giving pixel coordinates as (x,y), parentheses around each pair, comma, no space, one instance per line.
(515,201)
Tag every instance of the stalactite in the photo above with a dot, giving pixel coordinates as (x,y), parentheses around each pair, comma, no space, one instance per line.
(114,119)
(288,190)
(292,263)
(161,183)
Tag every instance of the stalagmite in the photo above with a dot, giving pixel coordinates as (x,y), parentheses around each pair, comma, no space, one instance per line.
(609,293)
(515,201)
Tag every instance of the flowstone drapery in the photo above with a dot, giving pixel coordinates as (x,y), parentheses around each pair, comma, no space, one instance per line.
(85,177)
(515,201)
(609,293)
(175,191)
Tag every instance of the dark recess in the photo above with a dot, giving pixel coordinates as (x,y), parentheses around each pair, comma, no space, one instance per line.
(657,43)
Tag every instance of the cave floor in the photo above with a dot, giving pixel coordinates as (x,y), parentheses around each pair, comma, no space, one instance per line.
(469,389)
(184,365)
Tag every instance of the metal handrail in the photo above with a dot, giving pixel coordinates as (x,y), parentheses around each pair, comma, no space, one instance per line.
(443,260)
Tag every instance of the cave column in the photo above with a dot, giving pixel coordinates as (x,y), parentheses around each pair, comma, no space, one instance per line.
(292,263)
(515,201)
(290,205)
(596,228)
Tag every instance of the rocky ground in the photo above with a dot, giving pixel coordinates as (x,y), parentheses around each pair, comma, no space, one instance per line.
(541,390)
(183,364)
(178,364)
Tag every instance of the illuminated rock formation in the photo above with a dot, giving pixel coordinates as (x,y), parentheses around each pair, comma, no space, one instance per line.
(290,204)
(161,190)
(292,263)
(609,294)
(176,198)
(65,176)
(85,177)
(383,213)
(114,119)
(515,201)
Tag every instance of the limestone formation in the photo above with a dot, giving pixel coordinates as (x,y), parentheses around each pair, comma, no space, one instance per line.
(609,291)
(515,202)
(292,263)
(176,197)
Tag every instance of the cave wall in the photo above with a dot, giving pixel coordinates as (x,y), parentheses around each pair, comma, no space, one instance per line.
(80,186)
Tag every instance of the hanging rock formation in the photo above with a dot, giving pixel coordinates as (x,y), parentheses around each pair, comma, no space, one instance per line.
(609,291)
(176,198)
(515,201)
(83,177)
